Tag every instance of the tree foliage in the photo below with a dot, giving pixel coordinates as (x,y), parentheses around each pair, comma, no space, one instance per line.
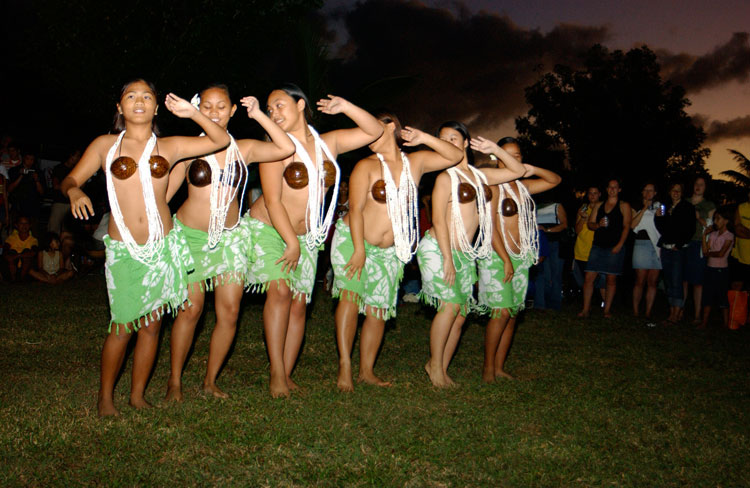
(613,117)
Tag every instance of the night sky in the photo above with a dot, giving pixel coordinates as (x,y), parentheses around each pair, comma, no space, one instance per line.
(685,34)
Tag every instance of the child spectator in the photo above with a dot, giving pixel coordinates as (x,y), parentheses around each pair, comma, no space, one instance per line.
(50,262)
(716,246)
(19,250)
(25,188)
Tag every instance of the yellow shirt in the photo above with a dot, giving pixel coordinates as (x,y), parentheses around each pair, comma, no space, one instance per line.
(16,244)
(584,240)
(741,251)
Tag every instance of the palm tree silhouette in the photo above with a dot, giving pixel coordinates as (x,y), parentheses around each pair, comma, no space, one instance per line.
(740,179)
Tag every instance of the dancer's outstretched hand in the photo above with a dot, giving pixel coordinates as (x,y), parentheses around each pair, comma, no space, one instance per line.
(509,271)
(355,265)
(412,136)
(483,145)
(252,106)
(449,272)
(333,105)
(179,106)
(290,258)
(80,204)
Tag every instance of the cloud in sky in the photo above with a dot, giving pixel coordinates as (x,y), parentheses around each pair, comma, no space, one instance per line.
(432,64)
(730,129)
(727,62)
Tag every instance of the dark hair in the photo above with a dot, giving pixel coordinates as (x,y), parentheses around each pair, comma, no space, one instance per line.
(48,238)
(464,131)
(387,117)
(676,183)
(297,94)
(726,212)
(119,122)
(218,86)
(508,140)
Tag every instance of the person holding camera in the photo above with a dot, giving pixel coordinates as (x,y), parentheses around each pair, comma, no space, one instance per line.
(25,188)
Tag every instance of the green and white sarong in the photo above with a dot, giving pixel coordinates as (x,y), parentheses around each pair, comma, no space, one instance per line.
(435,291)
(494,295)
(267,248)
(136,289)
(226,263)
(381,275)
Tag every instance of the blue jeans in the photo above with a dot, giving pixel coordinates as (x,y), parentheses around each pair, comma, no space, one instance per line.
(548,281)
(673,262)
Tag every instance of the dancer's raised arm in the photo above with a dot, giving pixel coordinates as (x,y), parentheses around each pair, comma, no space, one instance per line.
(182,147)
(443,154)
(513,168)
(344,140)
(546,179)
(279,147)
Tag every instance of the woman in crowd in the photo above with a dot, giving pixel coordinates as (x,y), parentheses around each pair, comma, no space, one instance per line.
(585,238)
(289,221)
(147,262)
(504,276)
(610,221)
(695,260)
(646,260)
(676,226)
(552,221)
(448,252)
(368,261)
(219,239)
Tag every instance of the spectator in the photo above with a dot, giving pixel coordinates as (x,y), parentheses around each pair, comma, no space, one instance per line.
(646,260)
(19,250)
(716,283)
(13,158)
(584,239)
(26,188)
(676,226)
(740,262)
(5,143)
(60,203)
(4,210)
(610,221)
(50,262)
(552,220)
(695,261)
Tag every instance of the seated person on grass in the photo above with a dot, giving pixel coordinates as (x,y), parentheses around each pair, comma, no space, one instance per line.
(51,263)
(19,250)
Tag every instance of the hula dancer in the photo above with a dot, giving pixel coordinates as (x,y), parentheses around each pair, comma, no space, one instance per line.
(290,222)
(218,237)
(448,252)
(368,261)
(504,276)
(147,262)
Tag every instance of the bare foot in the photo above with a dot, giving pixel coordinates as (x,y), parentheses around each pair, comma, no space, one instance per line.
(371,379)
(488,376)
(502,374)
(174,393)
(106,408)
(214,390)
(139,403)
(437,377)
(291,384)
(583,315)
(607,315)
(345,382)
(279,388)
(449,380)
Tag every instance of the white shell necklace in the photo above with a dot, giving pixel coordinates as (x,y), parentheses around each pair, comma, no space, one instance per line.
(459,239)
(146,253)
(527,227)
(402,208)
(223,190)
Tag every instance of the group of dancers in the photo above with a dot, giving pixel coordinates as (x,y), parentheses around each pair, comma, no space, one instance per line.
(484,229)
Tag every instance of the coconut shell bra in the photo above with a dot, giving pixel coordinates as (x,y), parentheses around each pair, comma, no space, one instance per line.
(296,175)
(199,173)
(467,193)
(124,167)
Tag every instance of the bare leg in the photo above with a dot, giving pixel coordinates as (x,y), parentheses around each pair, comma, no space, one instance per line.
(652,279)
(725,316)
(588,290)
(640,279)
(611,288)
(227,298)
(113,354)
(275,324)
(143,362)
(40,276)
(25,267)
(706,314)
(450,346)
(369,343)
(294,336)
(64,276)
(181,338)
(697,297)
(439,332)
(502,350)
(347,316)
(492,335)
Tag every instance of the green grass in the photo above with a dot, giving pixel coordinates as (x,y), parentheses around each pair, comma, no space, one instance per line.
(596,404)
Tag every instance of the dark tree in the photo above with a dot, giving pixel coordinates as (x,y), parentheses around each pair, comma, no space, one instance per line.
(613,117)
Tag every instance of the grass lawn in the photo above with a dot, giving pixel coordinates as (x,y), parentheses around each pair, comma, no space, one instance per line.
(596,403)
